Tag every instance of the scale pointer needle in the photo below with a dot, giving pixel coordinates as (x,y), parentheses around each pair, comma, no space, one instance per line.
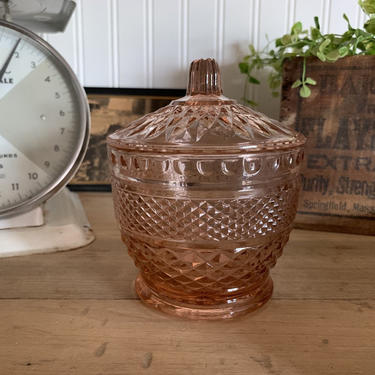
(8,60)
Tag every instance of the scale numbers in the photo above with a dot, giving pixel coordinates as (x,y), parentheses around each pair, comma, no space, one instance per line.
(44,120)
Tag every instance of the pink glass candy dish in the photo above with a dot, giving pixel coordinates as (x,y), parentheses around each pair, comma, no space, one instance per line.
(205,192)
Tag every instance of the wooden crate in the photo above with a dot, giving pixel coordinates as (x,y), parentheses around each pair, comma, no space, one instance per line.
(338,119)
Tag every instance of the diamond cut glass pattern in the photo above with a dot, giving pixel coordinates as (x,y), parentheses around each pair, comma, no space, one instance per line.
(205,192)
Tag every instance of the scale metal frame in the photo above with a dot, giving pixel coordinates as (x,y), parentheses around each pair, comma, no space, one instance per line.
(53,16)
(73,166)
(54,219)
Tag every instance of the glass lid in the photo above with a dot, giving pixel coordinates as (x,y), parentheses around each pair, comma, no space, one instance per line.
(205,120)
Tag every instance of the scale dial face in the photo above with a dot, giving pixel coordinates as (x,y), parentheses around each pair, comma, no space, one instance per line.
(44,120)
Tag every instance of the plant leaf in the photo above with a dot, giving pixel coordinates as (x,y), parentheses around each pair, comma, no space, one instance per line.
(368,6)
(250,102)
(304,91)
(286,39)
(275,94)
(296,83)
(252,49)
(347,20)
(370,26)
(310,81)
(303,44)
(275,83)
(321,56)
(244,67)
(253,80)
(343,51)
(324,44)
(278,42)
(333,55)
(297,28)
(316,21)
(370,49)
(315,33)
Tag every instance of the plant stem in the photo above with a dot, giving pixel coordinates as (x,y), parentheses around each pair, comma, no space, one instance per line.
(304,70)
(305,44)
(245,91)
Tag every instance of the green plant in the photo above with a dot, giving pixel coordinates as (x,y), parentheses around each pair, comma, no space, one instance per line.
(308,43)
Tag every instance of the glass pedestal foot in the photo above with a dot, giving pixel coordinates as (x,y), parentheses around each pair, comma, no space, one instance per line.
(232,308)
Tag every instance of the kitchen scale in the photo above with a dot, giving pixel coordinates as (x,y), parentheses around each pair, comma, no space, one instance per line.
(44,132)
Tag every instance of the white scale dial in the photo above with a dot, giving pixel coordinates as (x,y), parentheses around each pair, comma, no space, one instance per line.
(43,123)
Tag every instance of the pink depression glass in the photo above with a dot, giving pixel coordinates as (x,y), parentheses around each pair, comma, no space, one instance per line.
(205,191)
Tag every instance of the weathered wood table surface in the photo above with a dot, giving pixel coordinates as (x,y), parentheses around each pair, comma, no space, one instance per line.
(76,313)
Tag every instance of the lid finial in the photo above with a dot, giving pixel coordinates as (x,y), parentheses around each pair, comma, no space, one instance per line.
(204,78)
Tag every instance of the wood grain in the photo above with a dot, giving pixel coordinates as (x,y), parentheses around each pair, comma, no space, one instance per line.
(314,265)
(338,186)
(124,337)
(76,313)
